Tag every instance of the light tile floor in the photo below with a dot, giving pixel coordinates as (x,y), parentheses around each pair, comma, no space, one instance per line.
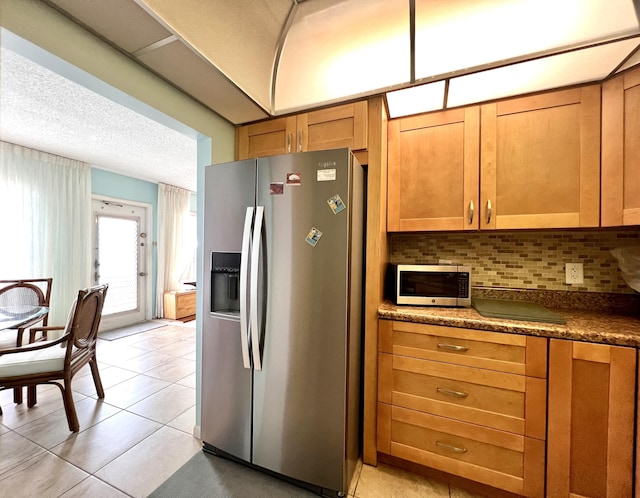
(140,434)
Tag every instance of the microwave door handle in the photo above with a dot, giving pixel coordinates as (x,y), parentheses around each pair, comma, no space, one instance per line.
(253,292)
(244,264)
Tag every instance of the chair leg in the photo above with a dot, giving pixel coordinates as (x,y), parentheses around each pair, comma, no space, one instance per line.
(31,396)
(17,395)
(93,363)
(69,407)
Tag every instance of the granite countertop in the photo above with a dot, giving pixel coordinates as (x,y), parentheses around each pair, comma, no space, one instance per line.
(603,324)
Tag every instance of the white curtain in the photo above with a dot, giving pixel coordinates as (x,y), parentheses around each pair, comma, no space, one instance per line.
(173,257)
(45,221)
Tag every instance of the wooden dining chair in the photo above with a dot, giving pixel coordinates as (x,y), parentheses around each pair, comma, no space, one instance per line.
(20,295)
(57,361)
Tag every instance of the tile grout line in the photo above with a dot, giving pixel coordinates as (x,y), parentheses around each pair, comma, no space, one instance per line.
(120,410)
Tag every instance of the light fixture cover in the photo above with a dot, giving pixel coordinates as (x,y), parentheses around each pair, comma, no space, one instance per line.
(417,99)
(342,49)
(462,35)
(571,68)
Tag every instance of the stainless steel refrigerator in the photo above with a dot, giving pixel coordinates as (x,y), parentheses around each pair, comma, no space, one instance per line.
(282,294)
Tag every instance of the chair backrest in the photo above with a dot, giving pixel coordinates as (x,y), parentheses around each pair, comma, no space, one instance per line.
(84,321)
(26,292)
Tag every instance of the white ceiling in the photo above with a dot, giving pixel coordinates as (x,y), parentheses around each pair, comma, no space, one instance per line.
(253,59)
(46,111)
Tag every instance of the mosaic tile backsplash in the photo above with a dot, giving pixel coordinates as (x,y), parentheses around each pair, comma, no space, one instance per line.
(523,259)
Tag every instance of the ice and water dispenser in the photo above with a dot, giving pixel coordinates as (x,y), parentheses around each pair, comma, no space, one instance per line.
(225,283)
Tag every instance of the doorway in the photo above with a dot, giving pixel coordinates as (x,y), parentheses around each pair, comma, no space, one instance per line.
(121,259)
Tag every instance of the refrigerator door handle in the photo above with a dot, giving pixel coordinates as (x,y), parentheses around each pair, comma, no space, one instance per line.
(244,263)
(253,292)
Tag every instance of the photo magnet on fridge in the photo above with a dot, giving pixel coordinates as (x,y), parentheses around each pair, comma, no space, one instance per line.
(294,178)
(276,188)
(336,204)
(313,236)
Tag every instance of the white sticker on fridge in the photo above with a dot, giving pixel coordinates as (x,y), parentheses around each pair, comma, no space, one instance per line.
(326,175)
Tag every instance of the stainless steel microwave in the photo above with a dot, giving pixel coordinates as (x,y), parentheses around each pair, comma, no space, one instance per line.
(429,285)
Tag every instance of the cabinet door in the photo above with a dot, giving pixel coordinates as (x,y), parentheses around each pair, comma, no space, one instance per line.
(503,460)
(591,419)
(621,150)
(267,138)
(540,161)
(333,128)
(433,171)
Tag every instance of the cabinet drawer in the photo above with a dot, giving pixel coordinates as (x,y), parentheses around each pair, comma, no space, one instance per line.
(511,353)
(507,461)
(499,400)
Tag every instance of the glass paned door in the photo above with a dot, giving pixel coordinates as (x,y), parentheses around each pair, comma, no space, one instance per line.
(119,260)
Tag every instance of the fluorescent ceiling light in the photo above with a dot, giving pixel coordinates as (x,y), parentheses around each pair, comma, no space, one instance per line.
(460,35)
(572,68)
(423,98)
(337,49)
(304,54)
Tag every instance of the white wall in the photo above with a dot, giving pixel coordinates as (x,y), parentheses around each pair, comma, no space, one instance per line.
(46,28)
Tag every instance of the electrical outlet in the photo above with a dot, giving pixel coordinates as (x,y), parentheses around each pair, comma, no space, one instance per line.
(574,273)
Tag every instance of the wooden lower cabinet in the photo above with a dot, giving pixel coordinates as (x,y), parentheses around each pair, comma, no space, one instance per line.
(467,402)
(500,459)
(590,441)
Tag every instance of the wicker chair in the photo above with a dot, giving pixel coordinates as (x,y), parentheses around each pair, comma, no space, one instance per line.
(20,295)
(57,361)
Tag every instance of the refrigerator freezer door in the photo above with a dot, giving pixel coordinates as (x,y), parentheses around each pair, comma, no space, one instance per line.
(226,383)
(299,396)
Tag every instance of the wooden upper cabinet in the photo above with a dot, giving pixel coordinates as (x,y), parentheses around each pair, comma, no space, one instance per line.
(433,171)
(540,160)
(266,138)
(590,442)
(335,127)
(621,150)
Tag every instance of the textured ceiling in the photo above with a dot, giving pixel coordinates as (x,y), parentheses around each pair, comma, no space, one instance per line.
(48,112)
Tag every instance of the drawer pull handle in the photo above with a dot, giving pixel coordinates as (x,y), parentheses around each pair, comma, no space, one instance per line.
(452,347)
(449,392)
(455,449)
